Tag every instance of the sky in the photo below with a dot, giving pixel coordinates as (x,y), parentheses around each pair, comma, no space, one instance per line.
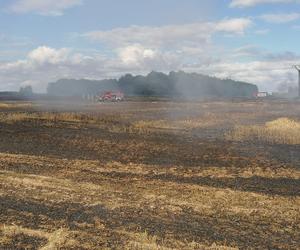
(41,41)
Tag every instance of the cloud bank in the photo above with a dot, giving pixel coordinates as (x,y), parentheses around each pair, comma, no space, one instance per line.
(45,64)
(171,35)
(280,18)
(252,3)
(43,7)
(141,49)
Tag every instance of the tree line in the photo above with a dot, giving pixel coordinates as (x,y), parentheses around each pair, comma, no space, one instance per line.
(174,84)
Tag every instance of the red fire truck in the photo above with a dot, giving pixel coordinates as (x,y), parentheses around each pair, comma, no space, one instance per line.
(111,96)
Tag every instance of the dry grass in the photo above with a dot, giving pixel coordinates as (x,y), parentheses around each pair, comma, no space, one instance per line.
(145,241)
(57,239)
(53,117)
(4,105)
(54,240)
(279,131)
(24,105)
(182,124)
(100,183)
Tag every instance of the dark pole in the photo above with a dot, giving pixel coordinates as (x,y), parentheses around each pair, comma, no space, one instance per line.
(297,67)
(298,82)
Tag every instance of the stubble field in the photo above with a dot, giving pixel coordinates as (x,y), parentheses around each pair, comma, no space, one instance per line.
(150,175)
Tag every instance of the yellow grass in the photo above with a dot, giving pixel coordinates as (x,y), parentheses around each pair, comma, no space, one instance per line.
(4,105)
(185,124)
(109,122)
(55,239)
(280,131)
(47,116)
(113,191)
(145,241)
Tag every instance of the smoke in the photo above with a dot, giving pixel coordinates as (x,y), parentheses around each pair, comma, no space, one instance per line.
(289,83)
(174,84)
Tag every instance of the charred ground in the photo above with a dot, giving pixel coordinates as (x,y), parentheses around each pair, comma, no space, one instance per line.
(147,175)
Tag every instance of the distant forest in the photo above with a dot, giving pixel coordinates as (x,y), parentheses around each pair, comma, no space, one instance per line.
(174,84)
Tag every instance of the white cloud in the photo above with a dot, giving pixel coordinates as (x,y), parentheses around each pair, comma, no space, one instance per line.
(43,7)
(136,57)
(280,18)
(171,35)
(134,54)
(235,26)
(251,3)
(43,55)
(152,36)
(40,66)
(139,49)
(168,47)
(44,64)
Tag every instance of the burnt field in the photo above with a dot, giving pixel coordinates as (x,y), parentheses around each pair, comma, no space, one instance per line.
(150,175)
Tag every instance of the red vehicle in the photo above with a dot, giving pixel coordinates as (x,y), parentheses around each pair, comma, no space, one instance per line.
(111,96)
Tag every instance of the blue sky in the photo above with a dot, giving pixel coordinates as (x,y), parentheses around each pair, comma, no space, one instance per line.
(250,40)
